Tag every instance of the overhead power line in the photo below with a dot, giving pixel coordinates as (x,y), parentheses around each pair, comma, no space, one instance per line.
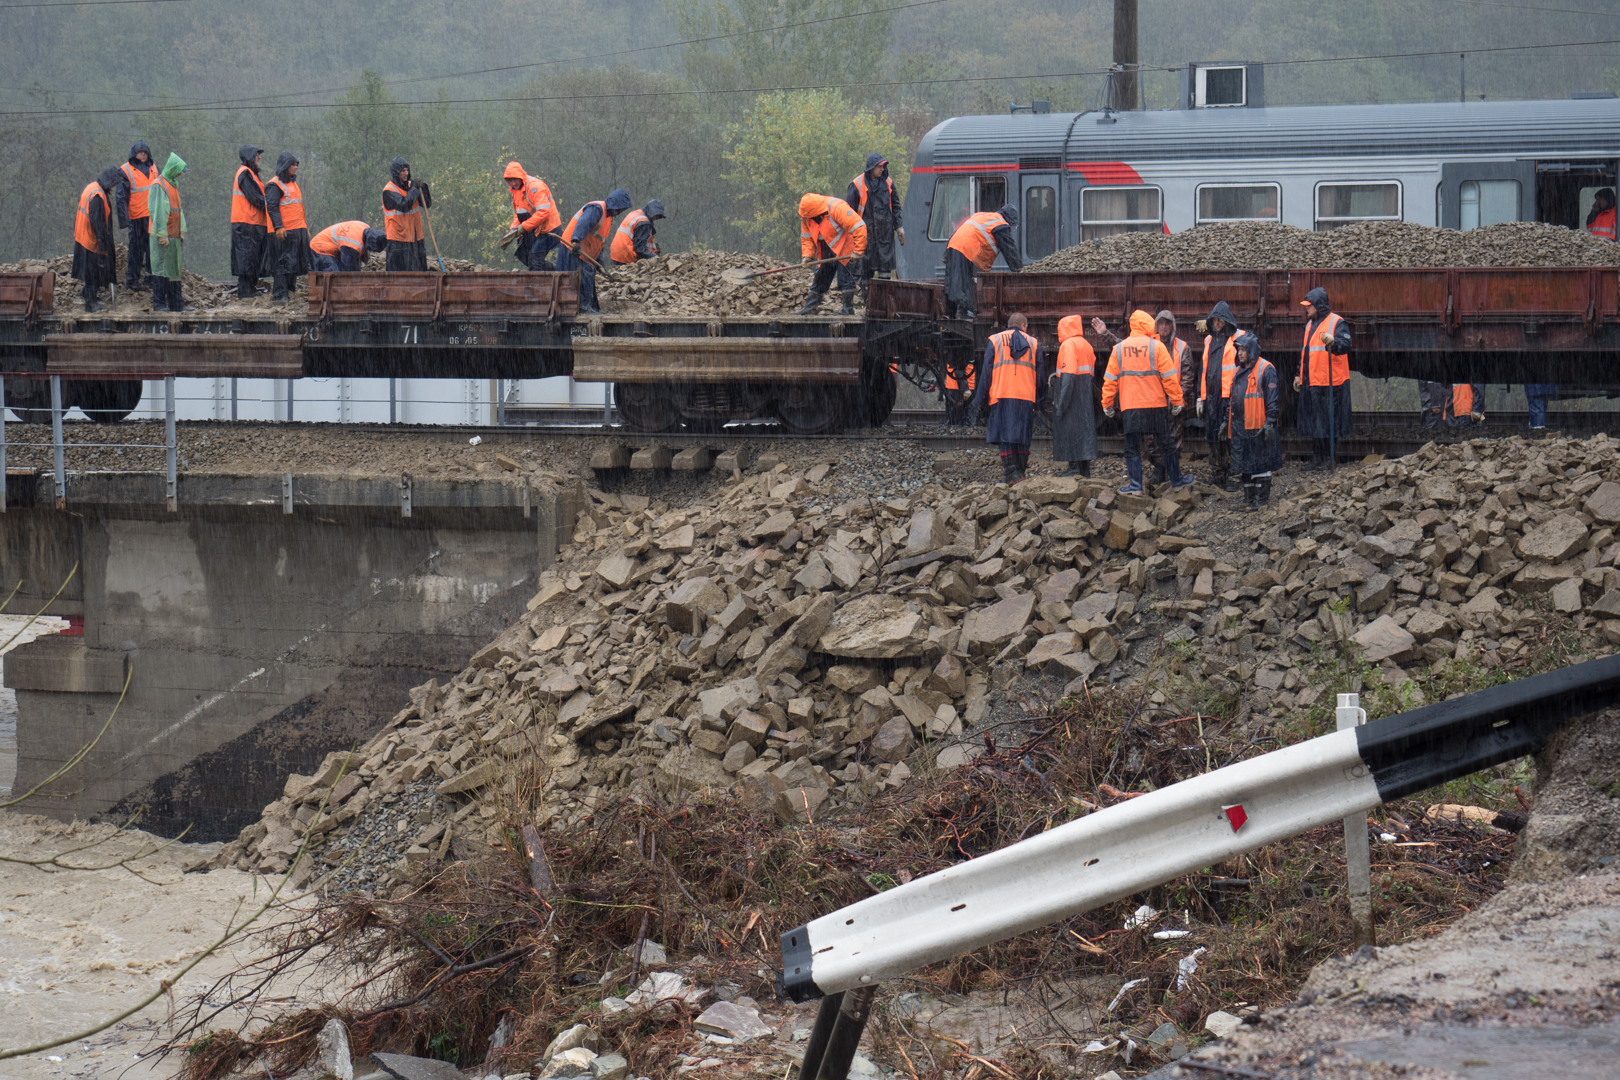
(86,3)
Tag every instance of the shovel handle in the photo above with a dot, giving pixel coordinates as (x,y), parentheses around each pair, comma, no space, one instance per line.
(799,266)
(584,256)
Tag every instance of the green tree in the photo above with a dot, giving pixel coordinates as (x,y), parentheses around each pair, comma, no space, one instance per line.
(792,143)
(356,143)
(769,51)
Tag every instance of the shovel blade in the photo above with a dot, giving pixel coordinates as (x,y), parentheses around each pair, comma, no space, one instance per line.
(739,277)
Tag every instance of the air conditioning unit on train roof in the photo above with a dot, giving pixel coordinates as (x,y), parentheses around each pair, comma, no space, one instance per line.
(1226,85)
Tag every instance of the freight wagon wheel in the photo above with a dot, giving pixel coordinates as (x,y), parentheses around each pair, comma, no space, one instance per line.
(815,410)
(106,402)
(648,409)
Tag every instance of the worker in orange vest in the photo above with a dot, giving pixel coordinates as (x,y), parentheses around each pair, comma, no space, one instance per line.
(1252,422)
(535,219)
(403,200)
(1600,222)
(344,247)
(1074,424)
(829,228)
(873,195)
(1164,325)
(1010,384)
(585,237)
(1323,379)
(1465,404)
(974,245)
(1217,367)
(94,257)
(249,223)
(1142,382)
(636,238)
(288,257)
(137,176)
(959,386)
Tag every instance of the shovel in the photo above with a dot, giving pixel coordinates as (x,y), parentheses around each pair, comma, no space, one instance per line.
(600,269)
(739,276)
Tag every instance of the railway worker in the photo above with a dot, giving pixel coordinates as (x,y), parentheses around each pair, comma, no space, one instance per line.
(94,257)
(344,247)
(137,176)
(830,229)
(288,257)
(959,395)
(974,244)
(1074,424)
(1465,405)
(1143,383)
(1323,379)
(636,238)
(168,237)
(1536,396)
(1432,403)
(1600,222)
(249,224)
(1164,325)
(403,200)
(585,237)
(874,197)
(1215,392)
(534,217)
(1252,422)
(1011,389)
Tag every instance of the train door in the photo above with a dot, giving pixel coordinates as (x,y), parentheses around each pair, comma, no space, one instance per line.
(1565,189)
(1038,209)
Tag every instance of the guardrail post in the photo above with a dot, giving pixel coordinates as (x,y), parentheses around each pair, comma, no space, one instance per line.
(290,400)
(58,453)
(391,401)
(233,397)
(172,485)
(2,446)
(500,402)
(1357,853)
(607,404)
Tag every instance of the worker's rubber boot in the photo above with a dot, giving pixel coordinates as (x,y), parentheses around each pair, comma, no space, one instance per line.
(849,303)
(1159,473)
(811,303)
(1178,480)
(1022,458)
(90,301)
(1265,490)
(1084,467)
(247,288)
(1133,470)
(1009,467)
(176,297)
(1251,494)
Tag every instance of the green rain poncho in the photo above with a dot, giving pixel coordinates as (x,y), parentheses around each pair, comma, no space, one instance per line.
(166,260)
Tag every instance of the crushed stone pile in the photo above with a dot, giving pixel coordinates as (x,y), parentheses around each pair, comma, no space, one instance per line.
(690,283)
(808,653)
(1373,244)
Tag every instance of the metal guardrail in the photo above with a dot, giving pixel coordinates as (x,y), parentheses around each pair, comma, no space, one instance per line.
(1160,836)
(59,445)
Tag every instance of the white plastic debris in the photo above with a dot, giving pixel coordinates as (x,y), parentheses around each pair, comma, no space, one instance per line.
(475,440)
(1143,916)
(1187,967)
(1388,838)
(1098,1046)
(1171,935)
(1222,1024)
(1112,1005)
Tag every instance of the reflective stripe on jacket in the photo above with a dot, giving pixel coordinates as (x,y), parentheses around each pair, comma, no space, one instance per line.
(1602,226)
(1228,368)
(590,245)
(1318,364)
(533,202)
(1253,413)
(973,239)
(860,188)
(84,226)
(403,225)
(1141,375)
(1012,377)
(841,229)
(624,240)
(138,190)
(242,211)
(292,204)
(349,234)
(1076,357)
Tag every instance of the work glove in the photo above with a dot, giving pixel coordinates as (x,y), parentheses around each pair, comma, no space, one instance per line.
(1478,418)
(163,241)
(1175,410)
(1111,412)
(1268,432)
(281,234)
(1296,384)
(511,235)
(900,235)
(806,261)
(1200,407)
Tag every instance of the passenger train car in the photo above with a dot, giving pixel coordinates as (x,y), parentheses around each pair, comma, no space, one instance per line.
(1084,176)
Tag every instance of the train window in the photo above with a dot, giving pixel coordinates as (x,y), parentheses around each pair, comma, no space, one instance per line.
(1111,211)
(1488,202)
(1239,202)
(1345,204)
(956,197)
(1040,222)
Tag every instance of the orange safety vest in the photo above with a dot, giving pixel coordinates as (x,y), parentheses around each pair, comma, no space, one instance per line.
(1228,368)
(1602,227)
(842,230)
(590,245)
(84,226)
(1318,364)
(624,241)
(1254,402)
(860,188)
(172,226)
(242,211)
(292,204)
(1142,373)
(1076,357)
(1462,400)
(951,382)
(349,234)
(972,238)
(1012,377)
(403,225)
(534,199)
(138,190)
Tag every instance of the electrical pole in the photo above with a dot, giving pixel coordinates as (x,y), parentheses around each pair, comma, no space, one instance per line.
(1126,76)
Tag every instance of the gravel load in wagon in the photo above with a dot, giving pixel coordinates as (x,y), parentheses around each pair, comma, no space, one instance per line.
(1367,245)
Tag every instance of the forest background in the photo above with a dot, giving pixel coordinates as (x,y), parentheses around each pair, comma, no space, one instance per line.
(724,109)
